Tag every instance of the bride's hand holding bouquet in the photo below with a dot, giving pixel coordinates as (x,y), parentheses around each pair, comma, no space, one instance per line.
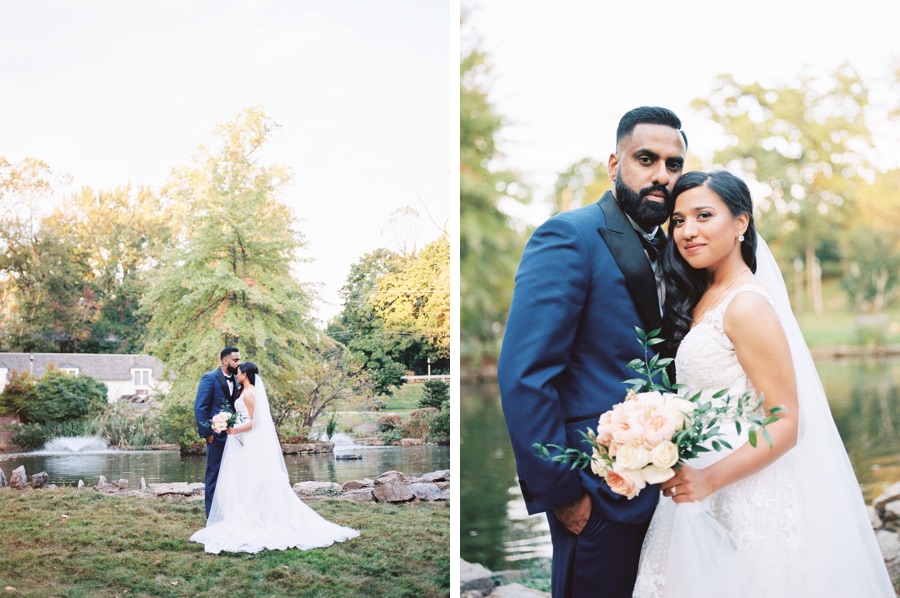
(645,438)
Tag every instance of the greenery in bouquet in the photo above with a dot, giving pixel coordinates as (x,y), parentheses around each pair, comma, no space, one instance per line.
(642,439)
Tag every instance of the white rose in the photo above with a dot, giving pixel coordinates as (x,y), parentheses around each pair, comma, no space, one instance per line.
(664,454)
(599,465)
(651,399)
(633,455)
(655,475)
(676,409)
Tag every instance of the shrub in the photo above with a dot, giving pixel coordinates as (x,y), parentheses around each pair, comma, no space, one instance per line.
(377,405)
(439,431)
(419,423)
(60,397)
(388,423)
(390,436)
(437,392)
(178,424)
(19,391)
(124,425)
(331,426)
(30,436)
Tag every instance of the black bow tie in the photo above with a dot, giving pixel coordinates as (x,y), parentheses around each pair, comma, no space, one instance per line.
(653,246)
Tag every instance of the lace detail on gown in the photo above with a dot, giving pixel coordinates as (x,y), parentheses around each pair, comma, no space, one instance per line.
(255,508)
(757,512)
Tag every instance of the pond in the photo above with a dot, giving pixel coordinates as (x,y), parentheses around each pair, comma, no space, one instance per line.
(66,466)
(496,530)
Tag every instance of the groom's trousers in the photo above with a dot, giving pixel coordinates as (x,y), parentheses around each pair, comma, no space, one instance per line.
(214,452)
(601,562)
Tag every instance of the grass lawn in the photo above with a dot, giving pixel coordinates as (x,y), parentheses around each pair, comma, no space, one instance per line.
(135,546)
(404,401)
(839,325)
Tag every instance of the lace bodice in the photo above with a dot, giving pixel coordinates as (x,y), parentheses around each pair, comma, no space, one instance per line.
(240,407)
(706,360)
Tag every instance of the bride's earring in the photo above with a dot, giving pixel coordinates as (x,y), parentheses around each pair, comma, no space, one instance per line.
(740,237)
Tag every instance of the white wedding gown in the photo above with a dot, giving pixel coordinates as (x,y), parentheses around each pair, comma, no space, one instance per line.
(753,538)
(254,507)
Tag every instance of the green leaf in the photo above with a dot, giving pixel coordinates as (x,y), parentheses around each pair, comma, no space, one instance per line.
(767,436)
(751,437)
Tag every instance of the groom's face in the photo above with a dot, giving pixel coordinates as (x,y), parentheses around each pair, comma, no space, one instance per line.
(231,362)
(644,169)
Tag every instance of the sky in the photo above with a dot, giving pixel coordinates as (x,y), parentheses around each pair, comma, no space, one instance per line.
(365,93)
(563,73)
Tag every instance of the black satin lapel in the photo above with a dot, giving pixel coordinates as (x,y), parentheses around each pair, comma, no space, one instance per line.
(626,249)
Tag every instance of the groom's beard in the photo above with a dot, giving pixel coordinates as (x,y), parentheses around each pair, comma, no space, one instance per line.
(232,370)
(646,212)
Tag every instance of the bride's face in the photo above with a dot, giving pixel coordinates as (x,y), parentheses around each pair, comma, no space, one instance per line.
(704,229)
(241,377)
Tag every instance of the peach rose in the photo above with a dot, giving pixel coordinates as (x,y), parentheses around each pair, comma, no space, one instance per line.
(658,428)
(604,428)
(626,427)
(625,482)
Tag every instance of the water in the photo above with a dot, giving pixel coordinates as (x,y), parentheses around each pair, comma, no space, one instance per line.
(67,460)
(496,530)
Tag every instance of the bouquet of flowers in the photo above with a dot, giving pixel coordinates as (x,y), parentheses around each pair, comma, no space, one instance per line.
(642,439)
(223,420)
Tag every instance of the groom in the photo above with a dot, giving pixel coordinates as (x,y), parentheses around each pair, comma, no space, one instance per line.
(586,279)
(217,388)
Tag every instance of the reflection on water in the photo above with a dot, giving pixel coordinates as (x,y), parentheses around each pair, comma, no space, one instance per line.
(171,466)
(497,531)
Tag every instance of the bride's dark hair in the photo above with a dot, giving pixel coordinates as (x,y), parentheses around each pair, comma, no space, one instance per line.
(685,285)
(250,370)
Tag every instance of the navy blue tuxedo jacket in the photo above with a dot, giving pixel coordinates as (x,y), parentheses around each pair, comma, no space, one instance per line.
(583,284)
(212,394)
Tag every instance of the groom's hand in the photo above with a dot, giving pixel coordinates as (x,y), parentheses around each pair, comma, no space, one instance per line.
(574,516)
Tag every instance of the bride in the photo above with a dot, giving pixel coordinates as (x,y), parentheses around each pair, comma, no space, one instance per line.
(786,520)
(254,507)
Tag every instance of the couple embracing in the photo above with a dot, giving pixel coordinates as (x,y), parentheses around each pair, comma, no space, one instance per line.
(250,505)
(785,520)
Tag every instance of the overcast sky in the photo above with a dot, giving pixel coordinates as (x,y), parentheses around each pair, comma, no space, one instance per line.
(365,92)
(564,72)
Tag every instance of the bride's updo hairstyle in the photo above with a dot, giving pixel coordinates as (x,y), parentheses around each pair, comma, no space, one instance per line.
(685,285)
(250,370)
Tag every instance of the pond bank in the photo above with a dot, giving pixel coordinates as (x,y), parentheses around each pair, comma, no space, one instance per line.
(390,487)
(476,581)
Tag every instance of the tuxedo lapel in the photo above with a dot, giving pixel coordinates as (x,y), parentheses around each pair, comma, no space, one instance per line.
(626,249)
(223,382)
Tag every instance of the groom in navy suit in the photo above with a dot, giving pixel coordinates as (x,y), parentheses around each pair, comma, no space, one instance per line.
(586,279)
(218,389)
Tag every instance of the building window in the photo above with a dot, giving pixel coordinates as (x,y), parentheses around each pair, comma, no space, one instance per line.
(141,377)
(70,370)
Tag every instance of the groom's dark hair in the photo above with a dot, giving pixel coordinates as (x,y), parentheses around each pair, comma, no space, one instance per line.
(648,115)
(226,352)
(250,370)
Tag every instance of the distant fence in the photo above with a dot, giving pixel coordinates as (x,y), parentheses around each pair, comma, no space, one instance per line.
(444,377)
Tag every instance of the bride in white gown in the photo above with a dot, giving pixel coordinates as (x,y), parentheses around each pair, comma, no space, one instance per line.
(786,520)
(254,507)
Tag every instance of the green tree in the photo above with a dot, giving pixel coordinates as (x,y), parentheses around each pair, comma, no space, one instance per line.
(361,328)
(489,248)
(332,378)
(120,235)
(228,280)
(582,183)
(807,144)
(413,298)
(872,249)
